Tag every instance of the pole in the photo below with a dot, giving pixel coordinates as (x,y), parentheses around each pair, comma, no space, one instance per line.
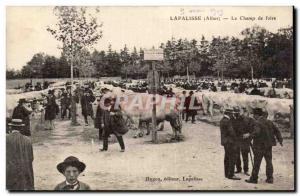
(154,131)
(252,72)
(251,149)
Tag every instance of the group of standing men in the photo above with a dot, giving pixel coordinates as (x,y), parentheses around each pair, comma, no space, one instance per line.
(240,134)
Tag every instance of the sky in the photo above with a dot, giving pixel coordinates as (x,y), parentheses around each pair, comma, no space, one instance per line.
(142,27)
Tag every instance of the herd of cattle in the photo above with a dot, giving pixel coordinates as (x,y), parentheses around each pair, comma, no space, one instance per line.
(137,104)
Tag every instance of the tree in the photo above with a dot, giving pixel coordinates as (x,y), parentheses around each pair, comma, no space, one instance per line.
(76,29)
(33,68)
(125,60)
(253,45)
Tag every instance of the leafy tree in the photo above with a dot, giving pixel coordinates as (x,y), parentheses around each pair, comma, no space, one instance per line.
(76,29)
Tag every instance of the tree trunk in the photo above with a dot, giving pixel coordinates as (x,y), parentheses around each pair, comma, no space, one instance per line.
(73,100)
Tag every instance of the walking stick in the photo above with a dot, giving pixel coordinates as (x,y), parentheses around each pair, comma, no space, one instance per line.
(251,148)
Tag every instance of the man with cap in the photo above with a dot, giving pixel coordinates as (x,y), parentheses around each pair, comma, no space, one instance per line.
(22,112)
(19,158)
(263,135)
(242,125)
(71,167)
(229,140)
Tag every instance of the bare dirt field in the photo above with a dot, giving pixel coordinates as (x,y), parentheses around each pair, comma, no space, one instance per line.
(146,166)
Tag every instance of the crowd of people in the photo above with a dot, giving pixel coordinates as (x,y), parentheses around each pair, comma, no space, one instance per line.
(29,86)
(239,133)
(237,86)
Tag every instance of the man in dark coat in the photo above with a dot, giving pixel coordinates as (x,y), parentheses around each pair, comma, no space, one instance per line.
(66,103)
(242,124)
(86,104)
(22,112)
(190,102)
(264,134)
(109,113)
(229,141)
(19,158)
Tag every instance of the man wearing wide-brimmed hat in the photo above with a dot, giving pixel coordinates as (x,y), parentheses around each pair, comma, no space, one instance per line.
(19,158)
(71,167)
(264,137)
(229,141)
(22,112)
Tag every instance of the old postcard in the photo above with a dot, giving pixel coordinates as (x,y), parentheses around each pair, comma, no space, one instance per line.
(162,98)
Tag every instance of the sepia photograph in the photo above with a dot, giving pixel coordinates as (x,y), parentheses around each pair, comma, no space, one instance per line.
(150,98)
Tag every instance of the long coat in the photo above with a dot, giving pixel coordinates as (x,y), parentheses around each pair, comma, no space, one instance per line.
(51,108)
(228,135)
(19,157)
(86,103)
(20,112)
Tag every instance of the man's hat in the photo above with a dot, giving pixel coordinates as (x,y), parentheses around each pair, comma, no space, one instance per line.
(71,161)
(258,111)
(236,110)
(50,92)
(22,100)
(16,123)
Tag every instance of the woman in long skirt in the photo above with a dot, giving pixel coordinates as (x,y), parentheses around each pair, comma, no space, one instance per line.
(51,110)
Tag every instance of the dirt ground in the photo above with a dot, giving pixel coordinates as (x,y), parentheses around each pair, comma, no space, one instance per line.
(147,166)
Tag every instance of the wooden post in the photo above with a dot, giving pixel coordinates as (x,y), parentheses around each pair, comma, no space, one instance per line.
(154,123)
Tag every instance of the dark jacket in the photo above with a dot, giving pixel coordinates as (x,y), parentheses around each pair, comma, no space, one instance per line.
(243,125)
(228,135)
(109,123)
(20,112)
(188,105)
(82,186)
(264,133)
(66,100)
